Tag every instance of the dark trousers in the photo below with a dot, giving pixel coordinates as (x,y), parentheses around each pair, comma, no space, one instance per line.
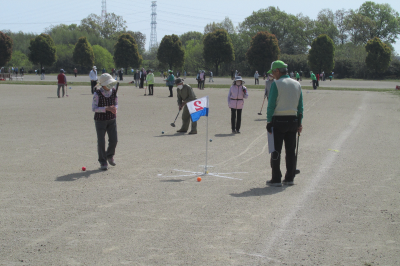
(151,89)
(314,84)
(256,81)
(284,130)
(141,84)
(103,127)
(236,118)
(170,90)
(93,84)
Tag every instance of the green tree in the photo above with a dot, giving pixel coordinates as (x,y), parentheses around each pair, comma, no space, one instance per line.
(321,55)
(103,58)
(191,35)
(386,20)
(226,24)
(126,52)
(325,24)
(6,44)
(378,55)
(263,51)
(358,27)
(171,52)
(292,32)
(194,60)
(83,53)
(65,57)
(42,50)
(110,26)
(21,60)
(340,23)
(218,48)
(140,39)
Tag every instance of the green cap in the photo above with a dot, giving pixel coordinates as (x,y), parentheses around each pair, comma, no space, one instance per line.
(277,64)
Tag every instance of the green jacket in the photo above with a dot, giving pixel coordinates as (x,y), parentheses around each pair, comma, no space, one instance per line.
(171,80)
(313,77)
(297,75)
(150,79)
(186,94)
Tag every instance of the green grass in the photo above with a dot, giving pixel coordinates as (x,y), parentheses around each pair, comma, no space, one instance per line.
(194,85)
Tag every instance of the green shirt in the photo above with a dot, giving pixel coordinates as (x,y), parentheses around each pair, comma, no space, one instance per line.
(313,77)
(272,98)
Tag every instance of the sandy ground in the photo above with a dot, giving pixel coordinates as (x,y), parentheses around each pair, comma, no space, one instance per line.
(336,83)
(150,210)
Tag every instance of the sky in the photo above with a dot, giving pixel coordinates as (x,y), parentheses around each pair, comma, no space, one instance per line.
(173,17)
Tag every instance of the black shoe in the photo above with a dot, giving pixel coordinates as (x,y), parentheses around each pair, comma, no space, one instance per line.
(287,183)
(170,96)
(273,184)
(233,131)
(238,131)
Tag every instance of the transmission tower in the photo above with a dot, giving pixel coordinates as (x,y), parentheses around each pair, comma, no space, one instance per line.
(153,36)
(103,10)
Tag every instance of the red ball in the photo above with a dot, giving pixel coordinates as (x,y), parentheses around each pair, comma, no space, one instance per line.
(83,168)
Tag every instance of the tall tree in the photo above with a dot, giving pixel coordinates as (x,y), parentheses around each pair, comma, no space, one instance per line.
(83,53)
(108,27)
(218,48)
(291,32)
(42,50)
(358,27)
(103,58)
(126,52)
(171,52)
(325,24)
(340,23)
(321,55)
(140,40)
(263,51)
(191,35)
(194,60)
(386,20)
(6,44)
(226,24)
(378,55)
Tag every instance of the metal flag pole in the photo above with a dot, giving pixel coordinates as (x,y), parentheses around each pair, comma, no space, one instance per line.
(205,167)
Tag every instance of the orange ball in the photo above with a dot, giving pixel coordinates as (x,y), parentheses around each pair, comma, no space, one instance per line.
(199,179)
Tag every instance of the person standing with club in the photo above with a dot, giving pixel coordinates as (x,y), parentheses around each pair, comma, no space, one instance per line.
(256,80)
(105,106)
(93,78)
(237,94)
(62,83)
(170,82)
(150,81)
(313,80)
(185,94)
(285,109)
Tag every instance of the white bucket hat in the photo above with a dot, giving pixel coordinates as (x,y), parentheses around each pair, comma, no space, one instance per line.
(106,79)
(94,67)
(237,79)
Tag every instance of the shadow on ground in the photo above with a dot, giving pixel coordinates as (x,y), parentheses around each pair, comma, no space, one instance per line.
(224,135)
(260,119)
(260,191)
(174,135)
(76,176)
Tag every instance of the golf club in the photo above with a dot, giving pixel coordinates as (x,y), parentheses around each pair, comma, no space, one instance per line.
(66,90)
(297,148)
(145,88)
(262,107)
(173,124)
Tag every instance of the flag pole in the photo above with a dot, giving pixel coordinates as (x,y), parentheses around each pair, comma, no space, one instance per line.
(205,168)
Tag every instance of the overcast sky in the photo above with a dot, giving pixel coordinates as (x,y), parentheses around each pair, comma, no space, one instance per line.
(173,17)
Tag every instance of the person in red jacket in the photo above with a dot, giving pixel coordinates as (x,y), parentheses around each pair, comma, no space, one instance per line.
(62,82)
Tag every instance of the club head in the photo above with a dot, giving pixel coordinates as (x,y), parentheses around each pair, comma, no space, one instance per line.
(172,124)
(145,95)
(297,171)
(259,113)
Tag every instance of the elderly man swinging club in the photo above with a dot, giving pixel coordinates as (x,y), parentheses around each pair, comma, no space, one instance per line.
(285,108)
(185,94)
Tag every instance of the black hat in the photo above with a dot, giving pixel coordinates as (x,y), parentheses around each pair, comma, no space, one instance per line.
(178,81)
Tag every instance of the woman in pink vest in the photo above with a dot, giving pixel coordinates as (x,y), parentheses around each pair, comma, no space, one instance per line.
(236,96)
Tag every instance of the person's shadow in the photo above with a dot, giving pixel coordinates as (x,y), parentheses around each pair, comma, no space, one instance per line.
(76,176)
(171,135)
(260,191)
(224,135)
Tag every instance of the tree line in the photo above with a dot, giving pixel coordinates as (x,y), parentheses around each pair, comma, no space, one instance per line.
(348,38)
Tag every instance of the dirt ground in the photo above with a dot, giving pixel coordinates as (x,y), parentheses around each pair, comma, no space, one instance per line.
(150,210)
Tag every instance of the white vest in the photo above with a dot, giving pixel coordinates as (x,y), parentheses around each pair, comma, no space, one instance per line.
(287,101)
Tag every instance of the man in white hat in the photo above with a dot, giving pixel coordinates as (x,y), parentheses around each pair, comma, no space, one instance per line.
(93,78)
(105,106)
